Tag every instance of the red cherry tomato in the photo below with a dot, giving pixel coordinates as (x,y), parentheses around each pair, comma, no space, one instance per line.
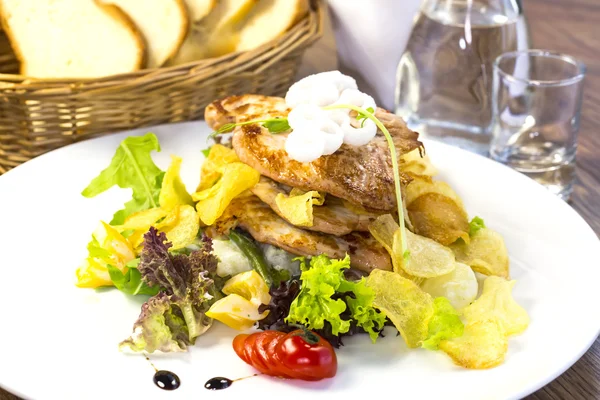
(299,354)
(308,354)
(238,346)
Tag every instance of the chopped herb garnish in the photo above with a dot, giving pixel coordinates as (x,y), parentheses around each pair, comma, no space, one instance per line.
(274,125)
(362,118)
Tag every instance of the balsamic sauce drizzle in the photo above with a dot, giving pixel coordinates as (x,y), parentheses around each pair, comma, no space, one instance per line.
(220,383)
(165,380)
(168,380)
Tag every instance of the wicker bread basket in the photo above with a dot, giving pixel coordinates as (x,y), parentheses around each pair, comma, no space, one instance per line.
(37,116)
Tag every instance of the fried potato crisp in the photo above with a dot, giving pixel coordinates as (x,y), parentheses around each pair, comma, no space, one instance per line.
(460,286)
(235,178)
(491,319)
(297,207)
(482,345)
(496,302)
(185,230)
(485,253)
(404,303)
(210,171)
(417,164)
(436,211)
(173,191)
(425,257)
(438,217)
(421,185)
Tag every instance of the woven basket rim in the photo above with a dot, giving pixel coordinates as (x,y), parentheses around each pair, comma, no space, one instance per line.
(312,23)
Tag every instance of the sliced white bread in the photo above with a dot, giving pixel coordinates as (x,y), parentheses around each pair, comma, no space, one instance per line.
(198,9)
(164,24)
(216,34)
(268,20)
(71,38)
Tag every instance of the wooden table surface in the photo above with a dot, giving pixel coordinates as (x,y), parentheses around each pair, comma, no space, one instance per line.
(572,27)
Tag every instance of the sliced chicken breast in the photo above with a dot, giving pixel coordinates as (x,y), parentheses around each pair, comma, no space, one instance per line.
(361,175)
(333,217)
(260,221)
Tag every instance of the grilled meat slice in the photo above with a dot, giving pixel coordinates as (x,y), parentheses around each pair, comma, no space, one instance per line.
(361,175)
(333,217)
(265,226)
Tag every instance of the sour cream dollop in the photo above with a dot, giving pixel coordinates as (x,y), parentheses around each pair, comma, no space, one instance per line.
(316,132)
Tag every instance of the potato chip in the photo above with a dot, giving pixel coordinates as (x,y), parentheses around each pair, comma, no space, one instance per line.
(404,303)
(496,302)
(421,185)
(460,286)
(486,253)
(236,178)
(136,239)
(211,167)
(143,220)
(387,232)
(438,217)
(427,258)
(415,163)
(482,345)
(185,230)
(173,192)
(297,207)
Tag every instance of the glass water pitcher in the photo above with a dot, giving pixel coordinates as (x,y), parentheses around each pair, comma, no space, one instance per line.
(444,77)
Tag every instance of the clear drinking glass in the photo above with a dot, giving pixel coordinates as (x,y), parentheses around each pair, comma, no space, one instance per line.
(536,108)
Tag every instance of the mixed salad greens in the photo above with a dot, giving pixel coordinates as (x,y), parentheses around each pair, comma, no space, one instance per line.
(158,246)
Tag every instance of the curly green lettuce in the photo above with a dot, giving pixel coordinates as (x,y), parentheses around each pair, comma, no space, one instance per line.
(319,299)
(444,324)
(174,318)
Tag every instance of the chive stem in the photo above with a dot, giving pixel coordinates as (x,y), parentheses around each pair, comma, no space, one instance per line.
(395,168)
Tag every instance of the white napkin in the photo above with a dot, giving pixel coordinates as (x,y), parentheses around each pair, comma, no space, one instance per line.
(371,36)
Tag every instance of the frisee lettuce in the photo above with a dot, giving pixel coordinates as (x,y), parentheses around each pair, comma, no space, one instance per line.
(314,305)
(131,168)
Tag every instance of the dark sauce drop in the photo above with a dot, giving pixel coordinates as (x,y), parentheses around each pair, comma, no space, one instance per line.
(218,383)
(166,380)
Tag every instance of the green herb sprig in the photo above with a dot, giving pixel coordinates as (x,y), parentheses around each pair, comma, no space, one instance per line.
(368,114)
(274,125)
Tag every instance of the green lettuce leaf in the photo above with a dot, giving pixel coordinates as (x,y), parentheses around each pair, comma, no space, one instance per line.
(160,326)
(320,299)
(367,317)
(131,282)
(314,304)
(131,168)
(444,324)
(174,318)
(475,225)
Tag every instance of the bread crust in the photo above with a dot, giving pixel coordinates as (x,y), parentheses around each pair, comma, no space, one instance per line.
(119,15)
(301,8)
(212,5)
(112,10)
(11,39)
(185,15)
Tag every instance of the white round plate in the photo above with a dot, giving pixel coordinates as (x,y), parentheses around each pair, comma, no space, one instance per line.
(60,342)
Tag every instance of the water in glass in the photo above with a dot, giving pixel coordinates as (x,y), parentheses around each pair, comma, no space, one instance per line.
(444,78)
